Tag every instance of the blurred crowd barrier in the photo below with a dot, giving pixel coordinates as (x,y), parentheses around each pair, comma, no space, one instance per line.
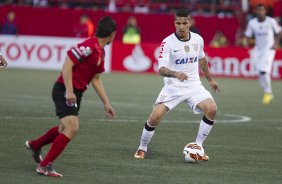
(44,21)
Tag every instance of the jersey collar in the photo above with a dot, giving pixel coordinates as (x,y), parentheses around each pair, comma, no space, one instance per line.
(183,40)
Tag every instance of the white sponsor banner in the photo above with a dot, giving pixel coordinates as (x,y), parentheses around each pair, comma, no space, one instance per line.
(40,52)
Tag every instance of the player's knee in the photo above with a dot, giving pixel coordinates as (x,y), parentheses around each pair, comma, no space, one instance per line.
(154,119)
(211,111)
(71,127)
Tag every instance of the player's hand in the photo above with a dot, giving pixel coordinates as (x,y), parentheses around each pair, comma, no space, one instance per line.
(70,98)
(214,85)
(110,113)
(180,76)
(3,62)
(275,46)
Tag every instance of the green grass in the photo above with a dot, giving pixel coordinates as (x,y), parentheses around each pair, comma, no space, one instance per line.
(248,152)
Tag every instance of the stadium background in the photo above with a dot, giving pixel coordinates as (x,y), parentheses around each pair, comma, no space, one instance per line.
(59,21)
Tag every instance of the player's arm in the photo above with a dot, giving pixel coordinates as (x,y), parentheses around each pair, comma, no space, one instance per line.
(205,69)
(3,62)
(277,33)
(163,61)
(248,36)
(278,37)
(163,71)
(67,76)
(99,88)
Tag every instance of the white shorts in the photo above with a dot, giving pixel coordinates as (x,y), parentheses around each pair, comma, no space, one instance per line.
(192,96)
(262,59)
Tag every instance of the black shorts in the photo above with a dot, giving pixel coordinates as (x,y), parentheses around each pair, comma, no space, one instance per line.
(62,109)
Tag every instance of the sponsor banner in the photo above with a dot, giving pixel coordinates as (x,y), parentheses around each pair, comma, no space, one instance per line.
(134,58)
(224,62)
(39,52)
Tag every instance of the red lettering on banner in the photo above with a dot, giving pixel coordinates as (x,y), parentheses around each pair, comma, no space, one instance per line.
(28,50)
(41,49)
(59,51)
(15,49)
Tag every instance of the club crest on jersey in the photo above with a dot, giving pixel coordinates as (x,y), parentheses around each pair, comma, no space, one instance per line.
(195,47)
(186,48)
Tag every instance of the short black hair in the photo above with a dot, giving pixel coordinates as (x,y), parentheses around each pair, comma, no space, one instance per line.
(105,27)
(182,13)
(260,6)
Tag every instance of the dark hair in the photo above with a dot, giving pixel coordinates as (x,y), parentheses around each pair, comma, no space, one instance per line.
(260,6)
(106,26)
(182,13)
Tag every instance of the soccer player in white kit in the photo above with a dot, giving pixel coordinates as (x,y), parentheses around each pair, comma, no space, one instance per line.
(180,56)
(263,28)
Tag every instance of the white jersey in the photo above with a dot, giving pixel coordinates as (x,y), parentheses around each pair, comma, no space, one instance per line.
(182,56)
(263,32)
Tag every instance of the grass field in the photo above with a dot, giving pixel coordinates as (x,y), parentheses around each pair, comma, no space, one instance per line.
(245,145)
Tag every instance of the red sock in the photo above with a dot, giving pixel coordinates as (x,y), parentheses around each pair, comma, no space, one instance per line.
(47,138)
(56,149)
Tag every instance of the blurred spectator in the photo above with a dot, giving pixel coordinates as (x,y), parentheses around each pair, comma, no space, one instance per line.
(10,25)
(142,6)
(85,28)
(193,27)
(40,2)
(126,7)
(268,4)
(219,40)
(112,6)
(131,32)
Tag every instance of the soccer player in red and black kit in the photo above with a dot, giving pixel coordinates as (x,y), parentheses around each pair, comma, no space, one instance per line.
(83,65)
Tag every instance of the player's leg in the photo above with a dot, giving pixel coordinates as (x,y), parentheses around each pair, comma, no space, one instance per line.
(265,82)
(208,106)
(166,101)
(68,115)
(264,78)
(70,124)
(35,145)
(149,128)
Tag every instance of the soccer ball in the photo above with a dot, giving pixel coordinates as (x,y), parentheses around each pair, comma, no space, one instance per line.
(193,152)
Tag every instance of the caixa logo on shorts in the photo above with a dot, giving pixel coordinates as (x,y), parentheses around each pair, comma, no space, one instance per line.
(186,60)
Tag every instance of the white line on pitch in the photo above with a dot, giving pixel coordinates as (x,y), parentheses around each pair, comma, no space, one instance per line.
(239,119)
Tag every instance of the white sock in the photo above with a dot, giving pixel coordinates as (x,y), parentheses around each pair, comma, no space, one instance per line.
(261,80)
(204,130)
(265,82)
(146,137)
(267,88)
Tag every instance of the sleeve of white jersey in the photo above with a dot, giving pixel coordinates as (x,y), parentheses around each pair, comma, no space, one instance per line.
(276,28)
(163,58)
(249,32)
(201,53)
